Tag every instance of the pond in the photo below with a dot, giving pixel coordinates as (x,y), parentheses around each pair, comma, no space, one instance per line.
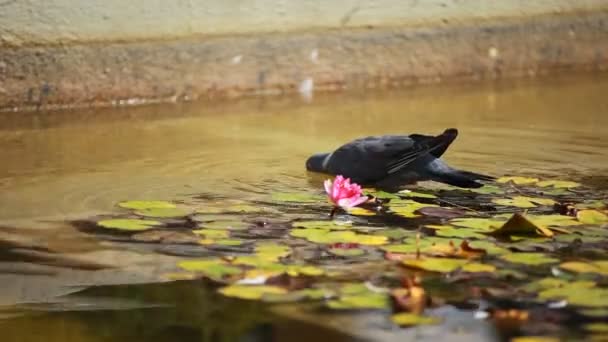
(66,279)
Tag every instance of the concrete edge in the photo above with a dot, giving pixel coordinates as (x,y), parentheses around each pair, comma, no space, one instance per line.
(83,75)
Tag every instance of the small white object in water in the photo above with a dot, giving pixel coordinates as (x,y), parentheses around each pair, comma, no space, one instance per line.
(306,88)
(236,59)
(558,305)
(493,52)
(314,56)
(259,280)
(481,314)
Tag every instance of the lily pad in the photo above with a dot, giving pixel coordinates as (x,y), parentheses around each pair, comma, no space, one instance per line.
(163,212)
(417,194)
(346,252)
(229,225)
(519,224)
(590,216)
(357,211)
(478,268)
(128,224)
(479,224)
(409,319)
(518,180)
(213,233)
(141,205)
(367,300)
(272,251)
(558,184)
(215,269)
(251,292)
(596,267)
(489,190)
(529,258)
(325,236)
(523,201)
(441,265)
(578,294)
(458,232)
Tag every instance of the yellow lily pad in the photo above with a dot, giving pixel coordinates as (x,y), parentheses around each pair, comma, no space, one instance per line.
(523,201)
(357,211)
(272,251)
(215,269)
(478,268)
(489,190)
(441,265)
(213,233)
(162,212)
(366,300)
(325,236)
(128,224)
(598,267)
(479,224)
(337,225)
(409,319)
(590,216)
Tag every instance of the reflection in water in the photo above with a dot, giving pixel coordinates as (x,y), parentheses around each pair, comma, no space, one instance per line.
(75,164)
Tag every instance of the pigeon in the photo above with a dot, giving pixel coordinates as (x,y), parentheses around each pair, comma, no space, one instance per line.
(392,161)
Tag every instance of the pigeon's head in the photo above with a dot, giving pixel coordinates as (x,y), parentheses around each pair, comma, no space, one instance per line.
(316,162)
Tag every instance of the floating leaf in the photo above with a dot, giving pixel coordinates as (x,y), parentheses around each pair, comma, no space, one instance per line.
(337,225)
(523,201)
(597,327)
(397,233)
(417,194)
(553,220)
(591,217)
(298,197)
(215,269)
(380,194)
(325,236)
(409,319)
(407,208)
(489,190)
(517,180)
(357,211)
(366,300)
(163,212)
(442,265)
(598,267)
(529,258)
(250,292)
(534,339)
(129,224)
(590,205)
(519,224)
(221,242)
(272,251)
(346,251)
(442,212)
(141,205)
(557,184)
(476,267)
(479,224)
(579,293)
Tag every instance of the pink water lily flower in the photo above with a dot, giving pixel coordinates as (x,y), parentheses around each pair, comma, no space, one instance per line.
(343,193)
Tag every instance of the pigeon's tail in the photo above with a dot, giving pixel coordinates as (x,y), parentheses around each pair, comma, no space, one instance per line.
(440,172)
(463,179)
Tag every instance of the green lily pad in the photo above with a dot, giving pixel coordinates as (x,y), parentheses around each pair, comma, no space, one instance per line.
(518,180)
(479,224)
(441,265)
(407,208)
(558,184)
(591,205)
(298,197)
(459,232)
(251,292)
(553,220)
(395,234)
(141,205)
(163,212)
(596,327)
(410,319)
(346,252)
(360,301)
(272,251)
(529,258)
(357,211)
(337,225)
(578,294)
(417,194)
(215,269)
(128,224)
(523,201)
(478,268)
(590,216)
(489,190)
(379,194)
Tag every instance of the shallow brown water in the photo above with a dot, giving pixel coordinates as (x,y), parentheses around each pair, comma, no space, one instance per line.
(76,164)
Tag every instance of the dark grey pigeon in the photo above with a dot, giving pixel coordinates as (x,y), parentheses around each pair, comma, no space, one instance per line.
(391,161)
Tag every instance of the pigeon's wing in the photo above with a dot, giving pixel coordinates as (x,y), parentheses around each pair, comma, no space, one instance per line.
(423,145)
(365,160)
